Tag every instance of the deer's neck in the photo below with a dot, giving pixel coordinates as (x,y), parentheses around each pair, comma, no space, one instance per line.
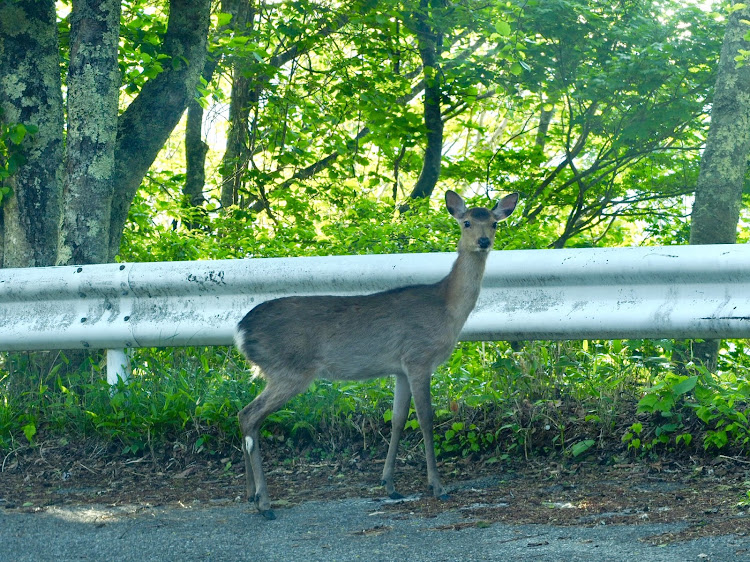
(463,283)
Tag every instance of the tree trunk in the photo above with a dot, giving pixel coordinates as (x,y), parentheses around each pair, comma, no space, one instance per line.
(31,94)
(429,42)
(93,90)
(147,123)
(196,149)
(235,159)
(195,155)
(545,118)
(718,194)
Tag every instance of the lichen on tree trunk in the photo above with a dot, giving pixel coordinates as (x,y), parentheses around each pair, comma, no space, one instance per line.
(718,194)
(93,92)
(30,93)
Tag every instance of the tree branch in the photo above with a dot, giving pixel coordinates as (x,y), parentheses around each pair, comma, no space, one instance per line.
(144,127)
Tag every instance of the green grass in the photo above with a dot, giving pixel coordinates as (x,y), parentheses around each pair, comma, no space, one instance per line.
(570,398)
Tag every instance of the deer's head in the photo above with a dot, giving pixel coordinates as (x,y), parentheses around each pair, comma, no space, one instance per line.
(478,224)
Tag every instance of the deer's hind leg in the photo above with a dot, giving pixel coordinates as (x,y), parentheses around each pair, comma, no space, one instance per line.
(276,393)
(419,380)
(401,401)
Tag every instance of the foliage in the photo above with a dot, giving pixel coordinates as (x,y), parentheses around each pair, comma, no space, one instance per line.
(339,222)
(545,398)
(677,403)
(626,84)
(11,155)
(334,138)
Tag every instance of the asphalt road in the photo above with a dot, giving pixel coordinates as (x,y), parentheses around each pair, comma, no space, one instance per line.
(346,530)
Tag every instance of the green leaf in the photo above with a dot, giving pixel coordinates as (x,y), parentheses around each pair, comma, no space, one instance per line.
(17,134)
(223,19)
(29,430)
(686,438)
(647,403)
(503,28)
(667,428)
(685,386)
(581,447)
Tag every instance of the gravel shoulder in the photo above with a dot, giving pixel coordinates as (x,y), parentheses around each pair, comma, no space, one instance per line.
(347,529)
(59,503)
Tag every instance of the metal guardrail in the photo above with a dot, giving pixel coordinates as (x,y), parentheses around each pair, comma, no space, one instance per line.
(603,293)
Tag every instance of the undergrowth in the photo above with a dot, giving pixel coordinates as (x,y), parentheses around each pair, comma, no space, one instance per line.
(494,399)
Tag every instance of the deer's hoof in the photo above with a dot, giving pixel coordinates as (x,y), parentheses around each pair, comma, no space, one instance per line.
(395,496)
(443,497)
(268,514)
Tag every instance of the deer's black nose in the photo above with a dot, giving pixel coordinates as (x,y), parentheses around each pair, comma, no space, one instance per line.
(484,242)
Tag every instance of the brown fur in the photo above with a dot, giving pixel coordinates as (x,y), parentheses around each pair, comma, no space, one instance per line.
(406,332)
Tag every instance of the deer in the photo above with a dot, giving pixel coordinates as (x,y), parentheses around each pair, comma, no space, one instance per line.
(405,332)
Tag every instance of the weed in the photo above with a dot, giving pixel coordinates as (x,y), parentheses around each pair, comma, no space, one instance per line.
(491,399)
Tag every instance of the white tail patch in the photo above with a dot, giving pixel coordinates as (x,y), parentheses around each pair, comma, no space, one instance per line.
(238,339)
(249,444)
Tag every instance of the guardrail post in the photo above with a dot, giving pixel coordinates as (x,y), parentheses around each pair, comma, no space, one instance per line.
(118,365)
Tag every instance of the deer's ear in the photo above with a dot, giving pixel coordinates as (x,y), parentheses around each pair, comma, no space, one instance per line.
(505,206)
(455,204)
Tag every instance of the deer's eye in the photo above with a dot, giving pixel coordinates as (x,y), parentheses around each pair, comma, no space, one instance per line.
(494,225)
(467,224)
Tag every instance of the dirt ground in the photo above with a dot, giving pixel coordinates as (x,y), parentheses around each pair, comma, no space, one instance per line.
(704,494)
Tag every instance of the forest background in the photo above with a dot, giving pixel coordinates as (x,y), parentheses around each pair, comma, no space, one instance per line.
(180,130)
